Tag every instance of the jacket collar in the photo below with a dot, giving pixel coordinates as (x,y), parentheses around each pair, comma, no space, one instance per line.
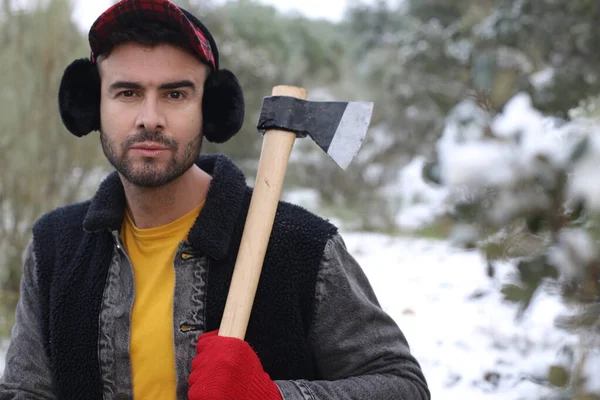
(213,230)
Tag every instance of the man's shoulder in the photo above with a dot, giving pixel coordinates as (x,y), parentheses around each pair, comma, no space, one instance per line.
(70,215)
(58,229)
(298,221)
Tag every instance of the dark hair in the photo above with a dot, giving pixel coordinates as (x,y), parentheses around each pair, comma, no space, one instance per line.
(147,33)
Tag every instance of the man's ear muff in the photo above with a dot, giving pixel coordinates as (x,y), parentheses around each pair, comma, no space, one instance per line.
(79,102)
(222,106)
(79,97)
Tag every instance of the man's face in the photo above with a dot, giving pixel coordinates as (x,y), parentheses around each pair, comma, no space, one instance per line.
(151,112)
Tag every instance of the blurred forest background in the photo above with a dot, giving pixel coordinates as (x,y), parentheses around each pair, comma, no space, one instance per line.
(438,71)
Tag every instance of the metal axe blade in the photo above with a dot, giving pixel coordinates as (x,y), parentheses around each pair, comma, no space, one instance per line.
(343,145)
(339,128)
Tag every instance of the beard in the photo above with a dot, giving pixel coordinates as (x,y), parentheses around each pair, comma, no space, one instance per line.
(149,172)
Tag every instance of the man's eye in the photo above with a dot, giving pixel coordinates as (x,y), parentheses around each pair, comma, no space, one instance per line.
(176,95)
(127,93)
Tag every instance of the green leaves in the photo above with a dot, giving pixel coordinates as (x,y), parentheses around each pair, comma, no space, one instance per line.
(432,173)
(580,150)
(534,223)
(558,376)
(532,274)
(514,293)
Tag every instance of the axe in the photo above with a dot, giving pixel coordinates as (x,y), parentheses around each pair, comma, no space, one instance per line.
(338,128)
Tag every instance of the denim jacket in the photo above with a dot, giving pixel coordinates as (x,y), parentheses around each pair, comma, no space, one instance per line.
(359,350)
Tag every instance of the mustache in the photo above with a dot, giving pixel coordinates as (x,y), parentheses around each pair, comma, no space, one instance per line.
(149,136)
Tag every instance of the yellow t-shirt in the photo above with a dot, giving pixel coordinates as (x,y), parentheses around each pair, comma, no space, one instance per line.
(152,252)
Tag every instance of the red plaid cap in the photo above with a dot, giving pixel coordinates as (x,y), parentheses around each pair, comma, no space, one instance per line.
(126,11)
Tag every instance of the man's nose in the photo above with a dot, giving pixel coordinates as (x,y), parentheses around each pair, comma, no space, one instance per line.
(150,116)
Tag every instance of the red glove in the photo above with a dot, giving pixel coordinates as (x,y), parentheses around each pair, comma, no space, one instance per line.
(227,369)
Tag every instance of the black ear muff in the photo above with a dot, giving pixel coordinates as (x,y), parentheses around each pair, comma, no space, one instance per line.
(222,106)
(79,97)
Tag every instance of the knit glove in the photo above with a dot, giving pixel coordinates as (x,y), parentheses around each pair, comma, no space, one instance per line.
(226,369)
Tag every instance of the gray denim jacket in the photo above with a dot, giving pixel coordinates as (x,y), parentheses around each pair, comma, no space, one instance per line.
(360,352)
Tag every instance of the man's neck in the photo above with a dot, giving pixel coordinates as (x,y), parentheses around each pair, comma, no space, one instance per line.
(153,207)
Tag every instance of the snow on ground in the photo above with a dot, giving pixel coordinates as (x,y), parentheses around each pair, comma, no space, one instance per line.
(458,327)
(463,334)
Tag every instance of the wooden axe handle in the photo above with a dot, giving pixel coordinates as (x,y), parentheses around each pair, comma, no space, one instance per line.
(276,149)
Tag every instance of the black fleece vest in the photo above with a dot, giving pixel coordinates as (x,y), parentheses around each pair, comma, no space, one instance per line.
(73,265)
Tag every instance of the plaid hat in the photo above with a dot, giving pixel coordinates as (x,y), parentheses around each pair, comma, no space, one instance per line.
(126,12)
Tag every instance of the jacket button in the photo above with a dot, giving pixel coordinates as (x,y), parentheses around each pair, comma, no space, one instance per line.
(186,256)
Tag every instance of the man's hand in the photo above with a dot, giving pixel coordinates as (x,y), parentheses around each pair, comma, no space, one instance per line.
(227,368)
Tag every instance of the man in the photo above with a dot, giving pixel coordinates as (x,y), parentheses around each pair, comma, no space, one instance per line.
(122,295)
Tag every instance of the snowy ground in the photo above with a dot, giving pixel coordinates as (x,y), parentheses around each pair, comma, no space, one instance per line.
(464,335)
(460,330)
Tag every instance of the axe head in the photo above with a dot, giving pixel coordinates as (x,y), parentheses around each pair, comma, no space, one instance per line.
(339,128)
